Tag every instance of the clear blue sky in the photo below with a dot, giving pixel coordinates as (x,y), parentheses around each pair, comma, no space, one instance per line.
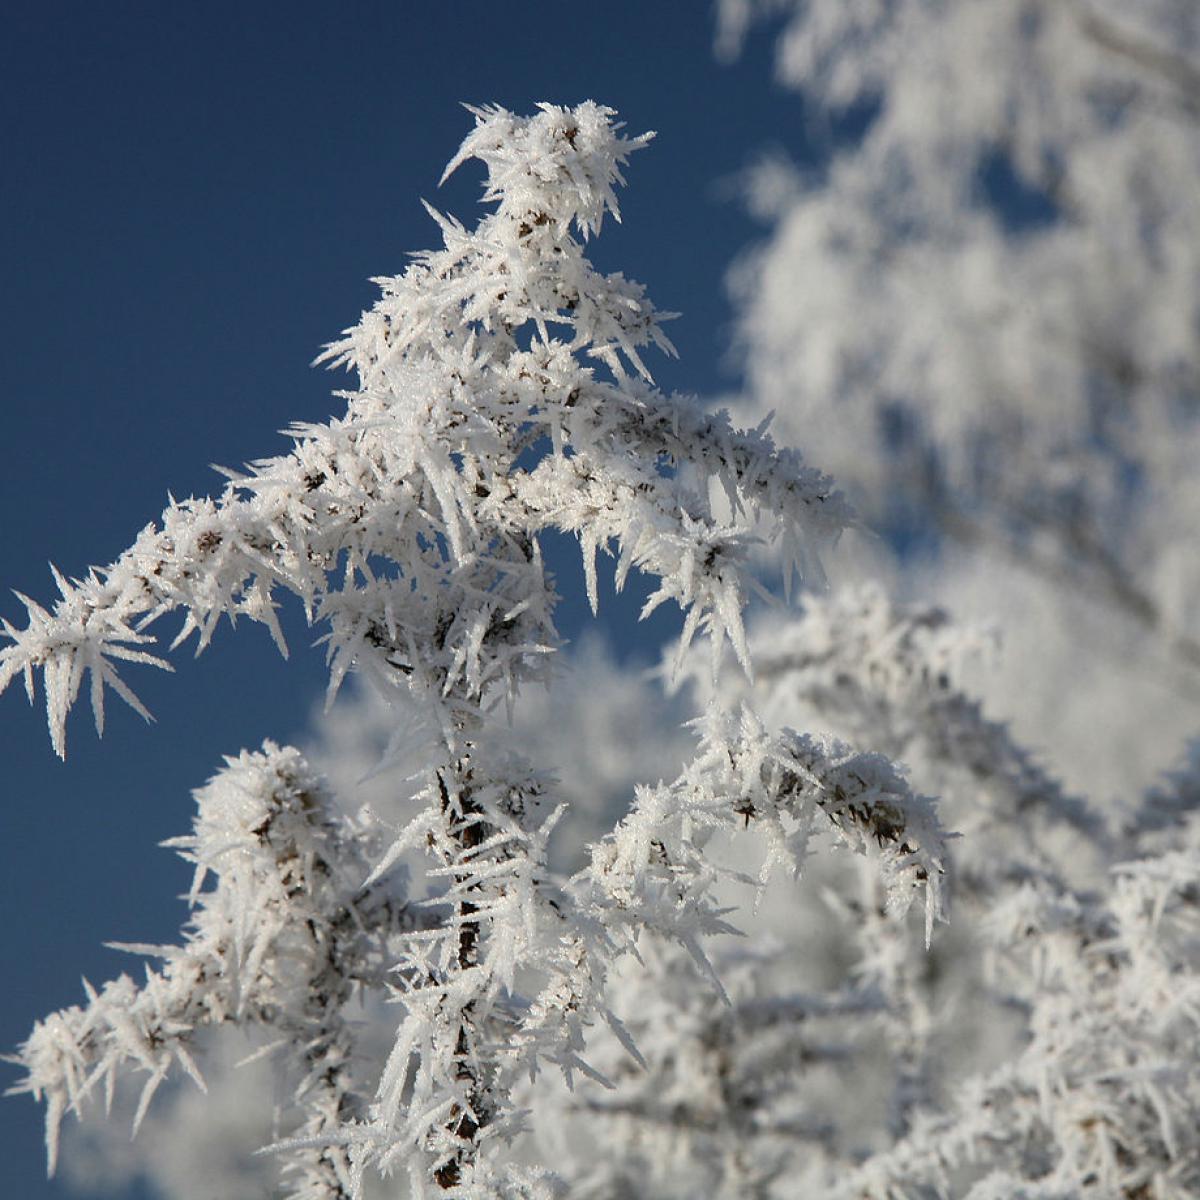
(192,198)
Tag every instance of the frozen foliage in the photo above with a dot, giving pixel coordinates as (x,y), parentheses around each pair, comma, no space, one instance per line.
(501,393)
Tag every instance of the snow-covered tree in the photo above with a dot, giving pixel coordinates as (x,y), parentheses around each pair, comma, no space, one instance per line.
(501,394)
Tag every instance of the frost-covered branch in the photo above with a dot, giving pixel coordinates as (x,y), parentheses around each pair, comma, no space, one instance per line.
(884,676)
(425,470)
(284,940)
(652,872)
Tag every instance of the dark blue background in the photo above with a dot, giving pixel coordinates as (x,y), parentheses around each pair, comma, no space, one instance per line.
(192,199)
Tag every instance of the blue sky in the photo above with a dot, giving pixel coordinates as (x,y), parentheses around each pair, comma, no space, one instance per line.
(192,199)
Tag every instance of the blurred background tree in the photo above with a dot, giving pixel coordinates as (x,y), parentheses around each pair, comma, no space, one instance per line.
(981,307)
